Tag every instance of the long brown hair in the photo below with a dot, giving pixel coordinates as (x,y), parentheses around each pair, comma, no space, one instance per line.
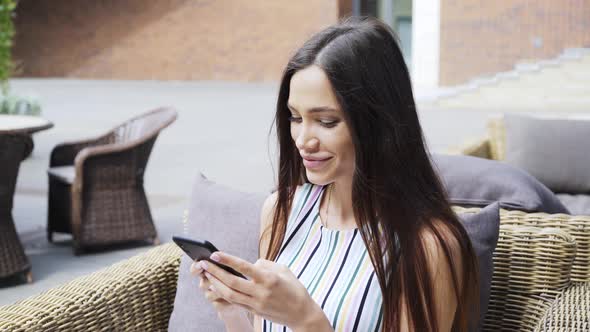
(396,193)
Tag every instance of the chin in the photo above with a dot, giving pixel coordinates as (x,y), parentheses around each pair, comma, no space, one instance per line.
(318,179)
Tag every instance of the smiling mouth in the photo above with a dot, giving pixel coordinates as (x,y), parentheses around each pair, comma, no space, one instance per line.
(315,164)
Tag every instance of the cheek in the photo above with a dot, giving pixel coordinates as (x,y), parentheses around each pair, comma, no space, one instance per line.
(348,150)
(342,144)
(294,132)
(345,145)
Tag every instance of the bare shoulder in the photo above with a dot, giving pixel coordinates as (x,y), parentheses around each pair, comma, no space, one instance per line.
(433,243)
(445,287)
(266,216)
(268,209)
(436,248)
(266,219)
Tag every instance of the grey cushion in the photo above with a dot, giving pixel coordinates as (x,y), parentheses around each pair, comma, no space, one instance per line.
(483,229)
(555,151)
(578,205)
(231,221)
(63,173)
(472,181)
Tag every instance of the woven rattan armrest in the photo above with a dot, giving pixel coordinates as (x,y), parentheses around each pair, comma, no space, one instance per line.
(576,226)
(534,261)
(531,266)
(105,151)
(134,295)
(65,153)
(110,163)
(101,150)
(570,311)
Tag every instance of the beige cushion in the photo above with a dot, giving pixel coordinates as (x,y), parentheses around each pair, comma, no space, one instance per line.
(497,135)
(63,173)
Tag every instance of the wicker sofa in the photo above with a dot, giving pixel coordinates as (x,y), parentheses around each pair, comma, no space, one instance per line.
(541,282)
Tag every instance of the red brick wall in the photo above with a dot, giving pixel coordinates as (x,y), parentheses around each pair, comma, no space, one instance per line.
(482,37)
(344,8)
(169,40)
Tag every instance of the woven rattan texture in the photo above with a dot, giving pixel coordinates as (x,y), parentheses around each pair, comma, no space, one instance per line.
(106,203)
(570,311)
(577,226)
(134,295)
(13,149)
(531,266)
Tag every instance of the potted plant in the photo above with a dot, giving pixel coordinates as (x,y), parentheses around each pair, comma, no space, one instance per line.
(11,104)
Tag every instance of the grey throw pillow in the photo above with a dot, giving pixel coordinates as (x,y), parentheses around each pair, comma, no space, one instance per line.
(483,229)
(579,205)
(555,151)
(229,219)
(472,181)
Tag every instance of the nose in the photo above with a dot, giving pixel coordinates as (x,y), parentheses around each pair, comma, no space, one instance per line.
(306,140)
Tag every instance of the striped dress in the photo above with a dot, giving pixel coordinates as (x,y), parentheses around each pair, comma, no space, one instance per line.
(333,265)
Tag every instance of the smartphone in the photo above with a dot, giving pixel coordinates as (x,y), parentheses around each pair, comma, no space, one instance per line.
(199,250)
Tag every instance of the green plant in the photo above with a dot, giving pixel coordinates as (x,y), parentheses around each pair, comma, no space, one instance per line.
(6,35)
(10,104)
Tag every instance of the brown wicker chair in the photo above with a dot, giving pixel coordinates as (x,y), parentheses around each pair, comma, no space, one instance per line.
(96,188)
(13,149)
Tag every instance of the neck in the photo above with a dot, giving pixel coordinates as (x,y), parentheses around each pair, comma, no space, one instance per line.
(339,214)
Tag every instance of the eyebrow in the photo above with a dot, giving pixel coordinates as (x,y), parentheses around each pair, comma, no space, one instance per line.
(315,109)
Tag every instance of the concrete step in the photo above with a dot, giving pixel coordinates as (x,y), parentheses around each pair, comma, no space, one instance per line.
(562,82)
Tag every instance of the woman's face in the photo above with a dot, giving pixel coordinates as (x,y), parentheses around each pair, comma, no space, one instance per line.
(318,128)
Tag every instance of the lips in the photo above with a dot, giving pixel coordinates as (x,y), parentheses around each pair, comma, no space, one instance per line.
(315,163)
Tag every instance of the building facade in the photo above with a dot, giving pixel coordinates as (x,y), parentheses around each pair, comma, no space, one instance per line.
(445,42)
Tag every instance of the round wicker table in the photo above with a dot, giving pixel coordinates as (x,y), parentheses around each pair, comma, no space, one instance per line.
(15,145)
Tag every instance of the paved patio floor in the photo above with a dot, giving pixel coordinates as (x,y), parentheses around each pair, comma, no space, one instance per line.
(222,131)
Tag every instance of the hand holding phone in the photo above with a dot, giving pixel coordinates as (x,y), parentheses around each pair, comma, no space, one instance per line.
(199,250)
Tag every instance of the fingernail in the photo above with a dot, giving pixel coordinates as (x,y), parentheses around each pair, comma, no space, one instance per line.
(215,257)
(204,265)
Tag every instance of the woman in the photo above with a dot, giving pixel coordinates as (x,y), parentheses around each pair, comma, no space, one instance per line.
(359,235)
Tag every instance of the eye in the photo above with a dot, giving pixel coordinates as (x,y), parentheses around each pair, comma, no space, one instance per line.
(328,123)
(295,119)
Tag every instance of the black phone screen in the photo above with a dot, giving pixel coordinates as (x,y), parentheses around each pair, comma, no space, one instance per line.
(199,250)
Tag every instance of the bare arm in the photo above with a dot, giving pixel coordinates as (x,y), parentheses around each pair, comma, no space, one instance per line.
(266,216)
(444,291)
(441,278)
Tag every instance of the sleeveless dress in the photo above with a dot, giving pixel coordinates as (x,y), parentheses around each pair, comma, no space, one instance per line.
(334,266)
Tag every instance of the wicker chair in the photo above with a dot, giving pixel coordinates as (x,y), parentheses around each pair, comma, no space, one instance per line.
(534,285)
(96,188)
(562,312)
